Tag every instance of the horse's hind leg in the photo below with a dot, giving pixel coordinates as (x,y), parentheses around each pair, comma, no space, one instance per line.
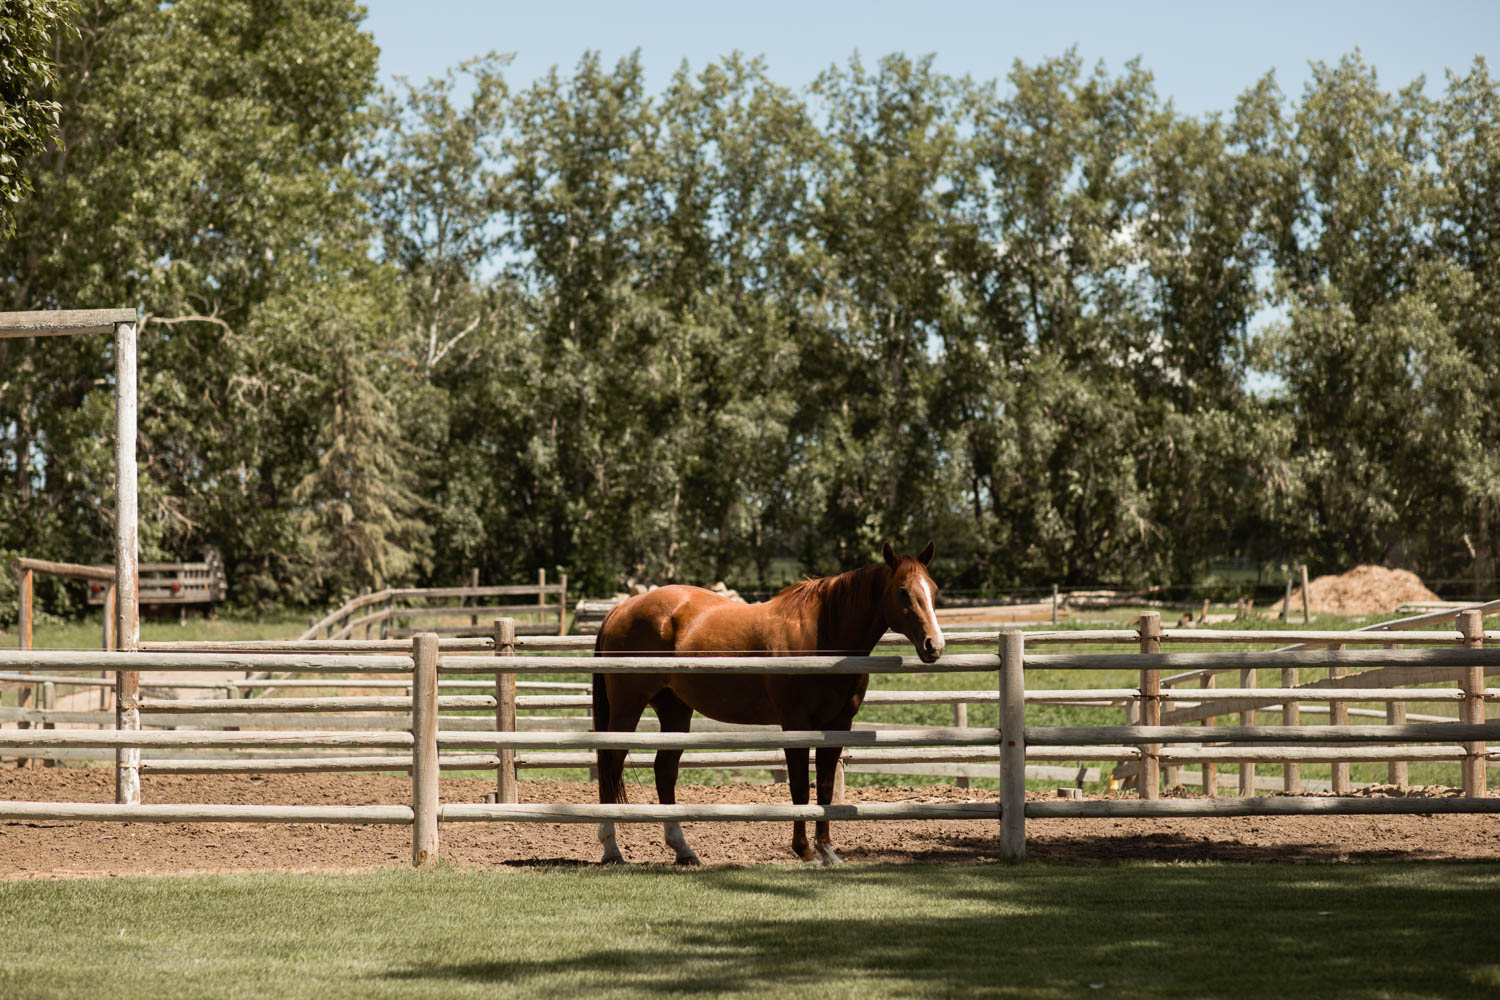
(796,776)
(676,717)
(828,759)
(625,708)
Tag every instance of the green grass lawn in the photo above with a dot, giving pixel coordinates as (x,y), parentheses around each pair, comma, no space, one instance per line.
(195,628)
(1028,930)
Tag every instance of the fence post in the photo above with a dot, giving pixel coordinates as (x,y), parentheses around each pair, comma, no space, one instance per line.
(506,786)
(1306,605)
(1291,715)
(1395,715)
(49,704)
(23,622)
(1054,604)
(23,626)
(1210,768)
(107,641)
(1012,745)
(1148,776)
(562,604)
(961,721)
(424,751)
(474,598)
(1247,718)
(1338,715)
(1471,627)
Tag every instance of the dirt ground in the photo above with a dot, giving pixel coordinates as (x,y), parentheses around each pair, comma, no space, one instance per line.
(48,849)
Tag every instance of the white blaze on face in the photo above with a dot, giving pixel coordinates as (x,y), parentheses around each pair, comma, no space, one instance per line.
(931,613)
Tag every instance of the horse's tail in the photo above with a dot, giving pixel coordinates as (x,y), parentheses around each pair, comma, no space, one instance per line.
(611,785)
(601,696)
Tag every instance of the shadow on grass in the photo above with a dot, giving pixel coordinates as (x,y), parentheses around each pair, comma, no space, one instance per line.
(1033,930)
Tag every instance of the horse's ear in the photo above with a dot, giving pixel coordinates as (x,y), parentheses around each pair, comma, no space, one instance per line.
(925,556)
(890,555)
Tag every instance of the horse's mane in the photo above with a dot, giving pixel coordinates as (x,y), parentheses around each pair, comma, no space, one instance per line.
(826,589)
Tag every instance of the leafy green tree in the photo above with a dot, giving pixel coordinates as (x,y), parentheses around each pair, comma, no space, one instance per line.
(584,166)
(1347,241)
(28,120)
(882,221)
(1466,226)
(201,172)
(359,514)
(737,149)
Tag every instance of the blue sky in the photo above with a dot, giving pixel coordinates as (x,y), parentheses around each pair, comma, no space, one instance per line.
(1202,54)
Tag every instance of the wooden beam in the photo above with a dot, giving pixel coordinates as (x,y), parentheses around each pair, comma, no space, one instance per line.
(97,811)
(62,322)
(530,812)
(1260,806)
(74,570)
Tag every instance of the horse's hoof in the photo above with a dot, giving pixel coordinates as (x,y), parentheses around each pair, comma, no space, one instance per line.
(612,858)
(829,857)
(688,859)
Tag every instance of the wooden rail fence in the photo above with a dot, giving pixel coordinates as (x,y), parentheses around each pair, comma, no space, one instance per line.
(401,613)
(424,661)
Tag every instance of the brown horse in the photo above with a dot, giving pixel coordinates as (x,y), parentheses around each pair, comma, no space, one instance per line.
(844,614)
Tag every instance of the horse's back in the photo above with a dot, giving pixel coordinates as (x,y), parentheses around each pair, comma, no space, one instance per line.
(656,620)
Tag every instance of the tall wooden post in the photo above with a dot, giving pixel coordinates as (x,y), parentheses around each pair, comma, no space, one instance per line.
(1306,602)
(1148,775)
(1012,745)
(562,604)
(127,561)
(424,751)
(506,786)
(1471,627)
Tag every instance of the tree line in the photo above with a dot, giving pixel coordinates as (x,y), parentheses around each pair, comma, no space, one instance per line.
(392,332)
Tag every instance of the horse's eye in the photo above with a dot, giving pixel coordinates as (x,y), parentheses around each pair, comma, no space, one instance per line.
(905,594)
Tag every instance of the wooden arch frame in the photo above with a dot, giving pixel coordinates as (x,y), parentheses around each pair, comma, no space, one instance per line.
(123,324)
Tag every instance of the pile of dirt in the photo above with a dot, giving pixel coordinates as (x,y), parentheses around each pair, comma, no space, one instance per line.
(1364,590)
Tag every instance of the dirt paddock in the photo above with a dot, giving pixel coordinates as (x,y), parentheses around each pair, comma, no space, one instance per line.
(47,849)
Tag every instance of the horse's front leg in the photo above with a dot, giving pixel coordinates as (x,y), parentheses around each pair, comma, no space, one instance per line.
(796,777)
(828,762)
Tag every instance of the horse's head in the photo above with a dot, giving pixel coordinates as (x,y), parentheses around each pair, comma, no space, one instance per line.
(909,602)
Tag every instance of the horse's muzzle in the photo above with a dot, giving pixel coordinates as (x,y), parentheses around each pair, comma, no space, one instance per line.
(928,650)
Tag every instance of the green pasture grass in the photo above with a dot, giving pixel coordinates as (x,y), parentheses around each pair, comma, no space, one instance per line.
(85,634)
(1029,930)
